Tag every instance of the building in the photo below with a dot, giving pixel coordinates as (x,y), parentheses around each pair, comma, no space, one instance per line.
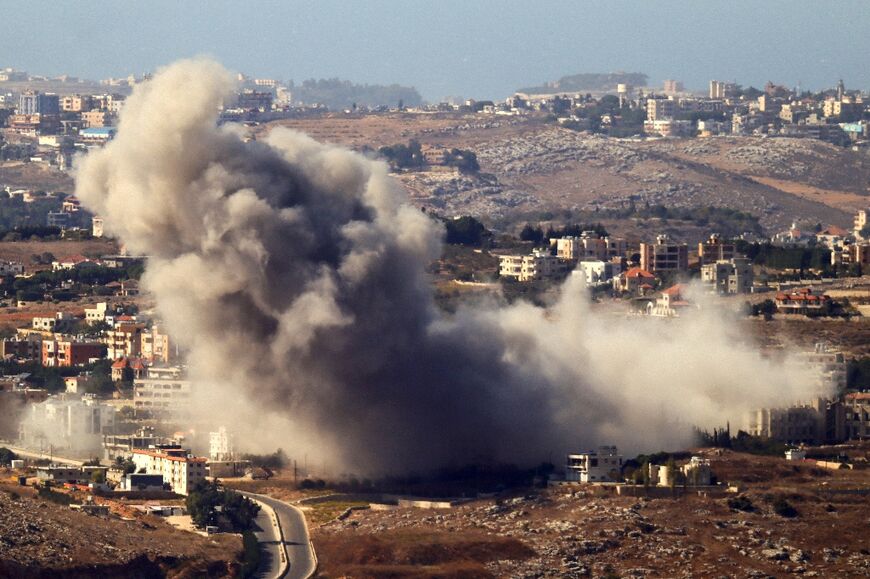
(123,367)
(124,340)
(603,465)
(59,322)
(97,119)
(75,103)
(668,127)
(221,447)
(598,272)
(715,249)
(731,276)
(664,255)
(635,281)
(697,472)
(123,445)
(97,135)
(68,422)
(659,109)
(537,266)
(672,87)
(671,303)
(179,469)
(97,226)
(721,90)
(29,348)
(32,102)
(155,346)
(255,100)
(798,424)
(157,394)
(8,268)
(68,474)
(65,353)
(830,366)
(96,314)
(803,301)
(142,482)
(857,415)
(862,220)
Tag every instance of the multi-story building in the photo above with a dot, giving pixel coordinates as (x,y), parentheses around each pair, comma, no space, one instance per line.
(603,465)
(862,219)
(829,365)
(28,348)
(96,119)
(155,346)
(161,393)
(124,340)
(664,255)
(857,415)
(65,353)
(75,103)
(180,469)
(598,272)
(537,266)
(798,424)
(721,90)
(220,445)
(715,249)
(658,109)
(68,422)
(123,445)
(728,276)
(97,226)
(32,102)
(672,87)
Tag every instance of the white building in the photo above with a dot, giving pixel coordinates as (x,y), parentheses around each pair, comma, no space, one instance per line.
(96,314)
(68,422)
(220,445)
(537,266)
(181,470)
(11,268)
(602,465)
(97,226)
(731,276)
(598,272)
(162,391)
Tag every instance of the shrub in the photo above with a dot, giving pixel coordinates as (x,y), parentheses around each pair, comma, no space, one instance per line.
(741,503)
(784,509)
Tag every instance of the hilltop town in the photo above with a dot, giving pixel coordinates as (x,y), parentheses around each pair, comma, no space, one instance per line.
(662,205)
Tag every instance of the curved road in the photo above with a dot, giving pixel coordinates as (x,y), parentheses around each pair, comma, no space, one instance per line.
(296,540)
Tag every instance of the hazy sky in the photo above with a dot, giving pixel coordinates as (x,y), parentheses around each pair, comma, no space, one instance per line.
(471,48)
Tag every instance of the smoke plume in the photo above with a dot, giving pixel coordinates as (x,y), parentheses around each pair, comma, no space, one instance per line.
(292,272)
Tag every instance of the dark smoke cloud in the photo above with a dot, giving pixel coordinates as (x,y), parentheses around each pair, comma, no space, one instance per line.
(293,274)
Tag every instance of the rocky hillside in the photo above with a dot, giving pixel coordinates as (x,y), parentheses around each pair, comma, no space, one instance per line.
(40,538)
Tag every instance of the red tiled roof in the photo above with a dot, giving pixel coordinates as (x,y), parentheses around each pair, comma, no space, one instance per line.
(858,396)
(675,290)
(833,230)
(169,457)
(638,272)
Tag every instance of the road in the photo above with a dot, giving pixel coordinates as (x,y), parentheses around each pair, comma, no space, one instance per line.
(296,541)
(271,564)
(25,452)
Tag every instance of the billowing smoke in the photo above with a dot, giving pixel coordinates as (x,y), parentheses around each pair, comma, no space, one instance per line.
(293,274)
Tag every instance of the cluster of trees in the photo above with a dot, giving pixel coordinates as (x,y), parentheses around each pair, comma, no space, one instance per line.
(466,230)
(7,456)
(84,278)
(858,374)
(51,378)
(797,258)
(209,504)
(536,234)
(410,156)
(743,442)
(589,81)
(275,461)
(338,94)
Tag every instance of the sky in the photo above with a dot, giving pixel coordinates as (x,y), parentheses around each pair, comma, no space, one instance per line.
(468,48)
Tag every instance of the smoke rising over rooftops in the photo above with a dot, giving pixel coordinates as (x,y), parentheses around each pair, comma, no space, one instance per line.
(293,274)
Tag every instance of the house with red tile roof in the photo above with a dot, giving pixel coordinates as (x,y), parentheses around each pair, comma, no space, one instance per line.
(635,281)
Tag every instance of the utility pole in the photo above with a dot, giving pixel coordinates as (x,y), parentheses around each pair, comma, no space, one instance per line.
(295,472)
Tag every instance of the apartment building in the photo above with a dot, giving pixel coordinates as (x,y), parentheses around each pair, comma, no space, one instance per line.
(798,424)
(715,249)
(155,346)
(862,219)
(161,393)
(123,341)
(664,255)
(537,266)
(726,277)
(64,353)
(634,281)
(180,469)
(857,416)
(658,109)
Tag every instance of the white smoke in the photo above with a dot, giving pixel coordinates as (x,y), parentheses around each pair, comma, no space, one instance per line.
(293,274)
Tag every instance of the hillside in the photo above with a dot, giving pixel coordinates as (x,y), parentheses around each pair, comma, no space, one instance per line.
(531,169)
(41,539)
(589,82)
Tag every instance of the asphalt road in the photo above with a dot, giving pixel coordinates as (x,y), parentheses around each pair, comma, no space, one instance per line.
(296,540)
(270,543)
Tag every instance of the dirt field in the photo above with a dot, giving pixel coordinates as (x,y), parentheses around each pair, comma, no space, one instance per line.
(23,251)
(37,176)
